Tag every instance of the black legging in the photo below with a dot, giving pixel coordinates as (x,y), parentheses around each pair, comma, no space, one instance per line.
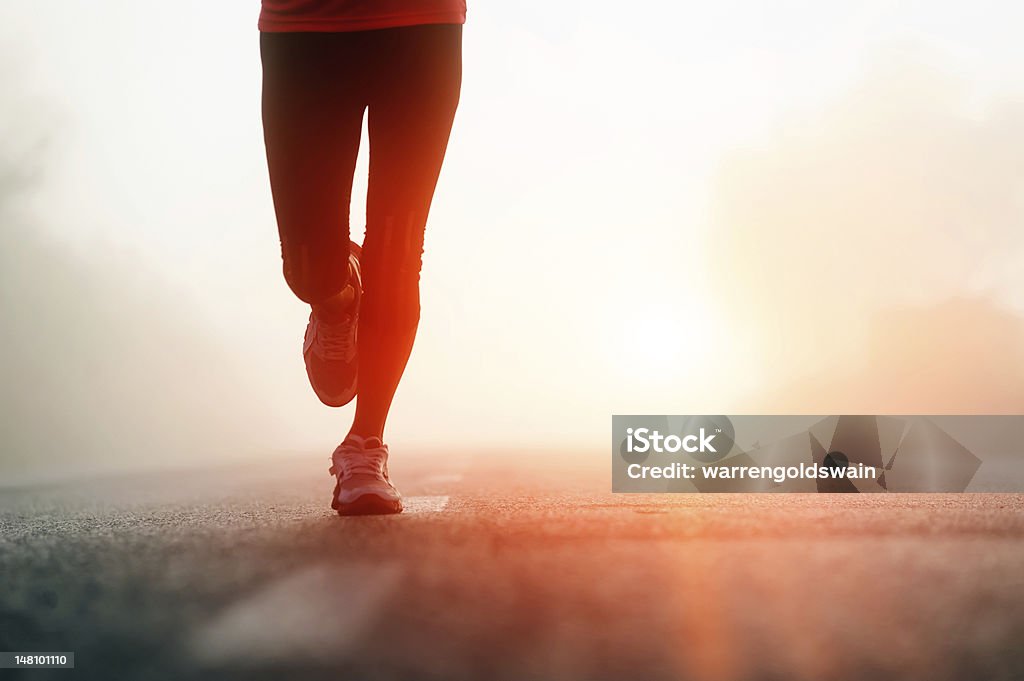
(315,89)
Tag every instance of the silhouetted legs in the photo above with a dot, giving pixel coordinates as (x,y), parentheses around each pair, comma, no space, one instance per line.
(316,87)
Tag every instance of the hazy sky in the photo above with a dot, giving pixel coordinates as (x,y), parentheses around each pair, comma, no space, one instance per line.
(615,185)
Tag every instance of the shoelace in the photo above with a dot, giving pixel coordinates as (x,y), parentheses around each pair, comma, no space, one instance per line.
(351,461)
(335,340)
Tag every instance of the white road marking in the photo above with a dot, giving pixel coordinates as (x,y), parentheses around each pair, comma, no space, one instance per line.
(319,613)
(424,504)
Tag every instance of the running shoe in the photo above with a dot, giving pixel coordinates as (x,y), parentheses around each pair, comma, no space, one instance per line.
(363,487)
(329,347)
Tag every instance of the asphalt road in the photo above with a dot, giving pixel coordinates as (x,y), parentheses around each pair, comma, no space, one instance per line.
(505,568)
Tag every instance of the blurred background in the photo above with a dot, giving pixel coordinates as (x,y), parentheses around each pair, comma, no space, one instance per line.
(732,207)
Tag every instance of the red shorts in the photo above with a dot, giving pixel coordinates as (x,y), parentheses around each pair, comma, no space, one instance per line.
(283,16)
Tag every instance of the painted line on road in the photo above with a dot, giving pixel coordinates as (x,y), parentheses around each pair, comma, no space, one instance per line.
(320,613)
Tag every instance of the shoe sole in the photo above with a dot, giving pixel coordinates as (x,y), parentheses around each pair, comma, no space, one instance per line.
(367,504)
(337,401)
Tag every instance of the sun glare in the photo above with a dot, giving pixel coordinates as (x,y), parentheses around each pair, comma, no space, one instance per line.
(663,341)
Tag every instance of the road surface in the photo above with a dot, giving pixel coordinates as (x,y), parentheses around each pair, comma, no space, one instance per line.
(505,568)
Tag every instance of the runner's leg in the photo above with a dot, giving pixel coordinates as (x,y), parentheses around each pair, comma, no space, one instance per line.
(412,102)
(313,103)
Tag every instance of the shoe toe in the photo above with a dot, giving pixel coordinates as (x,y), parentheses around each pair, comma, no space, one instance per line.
(332,387)
(350,495)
